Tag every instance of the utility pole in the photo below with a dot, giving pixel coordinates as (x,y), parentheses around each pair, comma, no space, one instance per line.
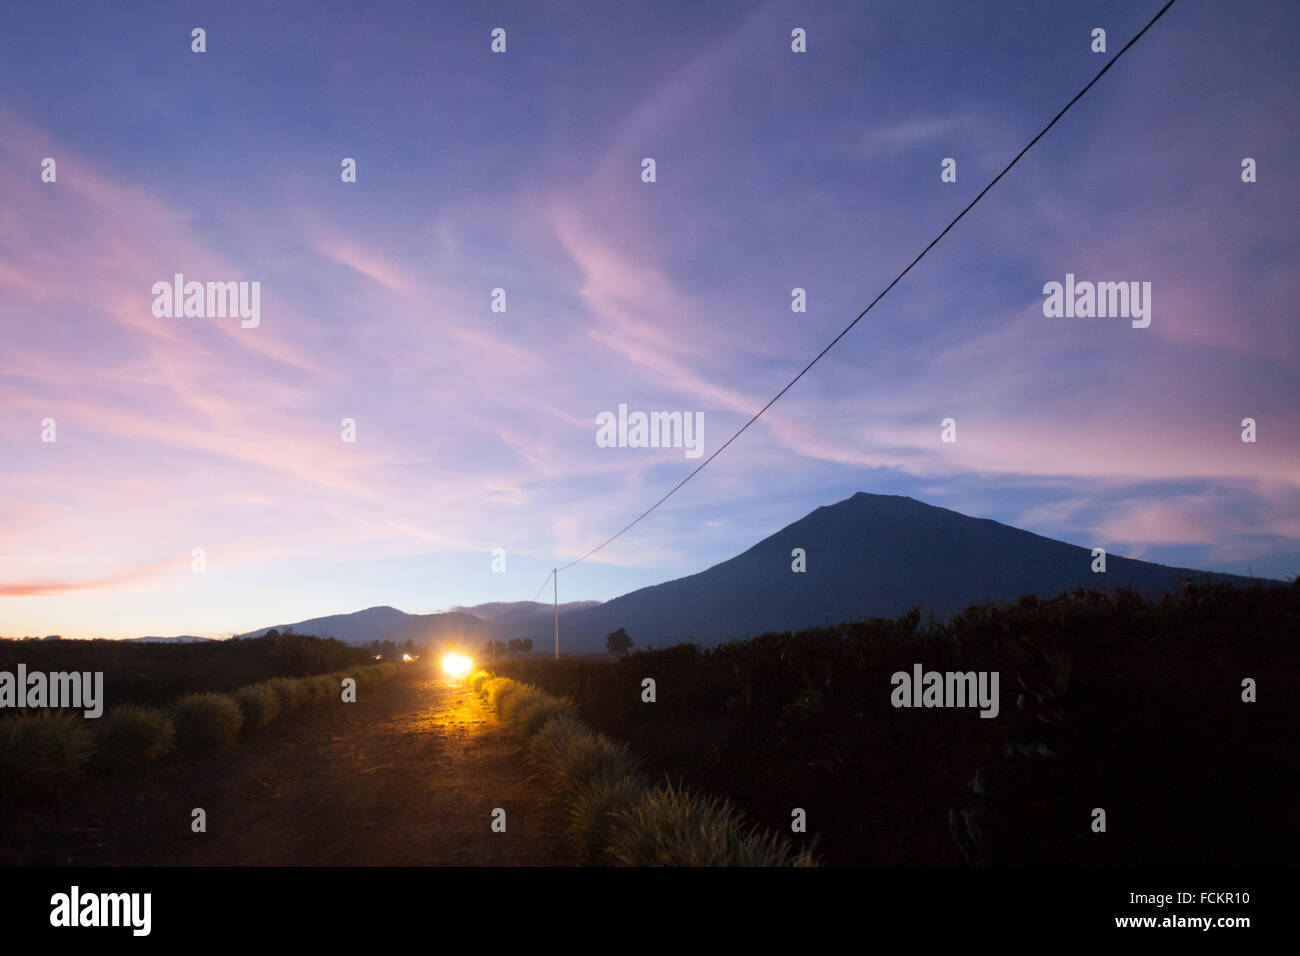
(556,576)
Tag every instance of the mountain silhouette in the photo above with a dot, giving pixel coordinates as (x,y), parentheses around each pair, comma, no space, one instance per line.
(867,556)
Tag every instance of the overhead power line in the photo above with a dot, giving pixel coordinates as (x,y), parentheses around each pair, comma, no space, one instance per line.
(544,583)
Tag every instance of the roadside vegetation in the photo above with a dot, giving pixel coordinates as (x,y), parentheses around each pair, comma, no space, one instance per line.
(153,675)
(45,753)
(617,815)
(1106,700)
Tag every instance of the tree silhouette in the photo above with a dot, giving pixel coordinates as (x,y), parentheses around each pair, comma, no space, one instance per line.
(618,642)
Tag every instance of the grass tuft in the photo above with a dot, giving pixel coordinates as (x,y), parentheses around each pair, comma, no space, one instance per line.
(551,736)
(530,714)
(41,752)
(498,691)
(291,692)
(517,695)
(259,703)
(580,758)
(130,736)
(593,806)
(668,826)
(325,689)
(206,721)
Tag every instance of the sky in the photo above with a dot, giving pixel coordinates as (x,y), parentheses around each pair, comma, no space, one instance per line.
(475,429)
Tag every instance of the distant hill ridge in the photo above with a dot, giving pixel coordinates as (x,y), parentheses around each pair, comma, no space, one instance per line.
(472,625)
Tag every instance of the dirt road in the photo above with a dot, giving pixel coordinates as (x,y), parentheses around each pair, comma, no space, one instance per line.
(408,775)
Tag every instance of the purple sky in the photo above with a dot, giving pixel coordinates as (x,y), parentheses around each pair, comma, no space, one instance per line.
(775,170)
